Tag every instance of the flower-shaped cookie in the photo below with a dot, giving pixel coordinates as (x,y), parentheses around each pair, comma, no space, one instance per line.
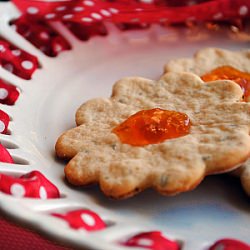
(205,62)
(208,59)
(218,139)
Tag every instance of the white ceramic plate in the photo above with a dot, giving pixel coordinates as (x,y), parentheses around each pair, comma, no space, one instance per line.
(217,208)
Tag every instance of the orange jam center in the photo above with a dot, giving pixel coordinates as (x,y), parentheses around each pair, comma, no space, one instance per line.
(230,73)
(152,126)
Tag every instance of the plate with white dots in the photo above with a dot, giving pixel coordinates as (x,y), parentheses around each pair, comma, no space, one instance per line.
(217,209)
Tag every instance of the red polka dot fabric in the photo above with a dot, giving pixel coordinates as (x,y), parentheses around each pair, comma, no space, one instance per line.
(41,35)
(135,11)
(32,185)
(17,61)
(82,219)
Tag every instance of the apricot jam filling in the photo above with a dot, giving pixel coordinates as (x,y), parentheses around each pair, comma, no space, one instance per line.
(230,73)
(152,126)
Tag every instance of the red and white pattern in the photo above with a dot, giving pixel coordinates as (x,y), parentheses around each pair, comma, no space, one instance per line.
(17,61)
(143,11)
(151,240)
(83,219)
(32,185)
(8,93)
(4,122)
(229,244)
(41,35)
(5,155)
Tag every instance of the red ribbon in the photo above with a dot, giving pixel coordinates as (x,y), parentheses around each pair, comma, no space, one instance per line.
(83,219)
(8,93)
(4,122)
(144,11)
(229,244)
(85,32)
(32,185)
(41,35)
(151,240)
(16,60)
(5,155)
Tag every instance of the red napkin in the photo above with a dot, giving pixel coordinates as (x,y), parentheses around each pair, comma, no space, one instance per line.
(15,237)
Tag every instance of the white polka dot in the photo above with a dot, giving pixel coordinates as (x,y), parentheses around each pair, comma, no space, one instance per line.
(43,193)
(57,47)
(105,13)
(135,20)
(17,190)
(27,64)
(32,10)
(2,126)
(88,219)
(44,35)
(96,16)
(243,10)
(113,10)
(78,8)
(87,19)
(217,16)
(16,52)
(88,3)
(146,1)
(2,48)
(3,93)
(9,67)
(145,242)
(50,15)
(68,16)
(61,8)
